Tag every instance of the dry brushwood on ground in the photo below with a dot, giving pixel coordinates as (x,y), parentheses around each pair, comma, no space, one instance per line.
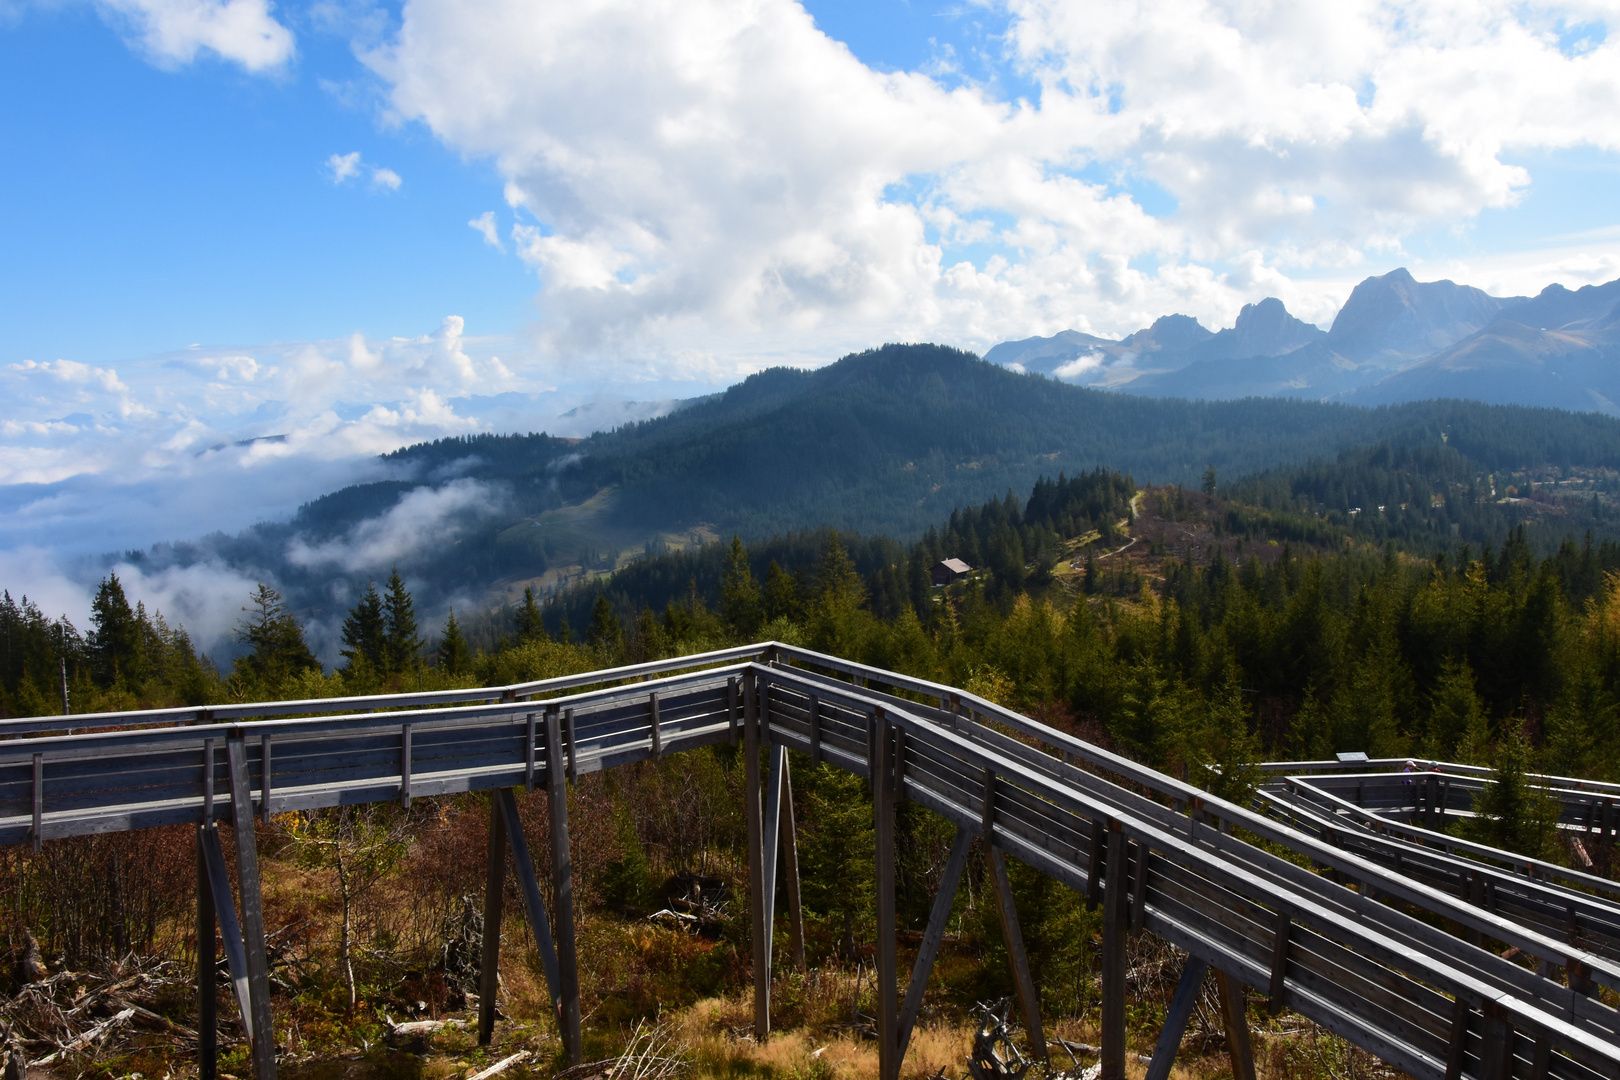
(79,1013)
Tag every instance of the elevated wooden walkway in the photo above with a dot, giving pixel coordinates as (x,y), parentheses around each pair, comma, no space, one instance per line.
(1402,963)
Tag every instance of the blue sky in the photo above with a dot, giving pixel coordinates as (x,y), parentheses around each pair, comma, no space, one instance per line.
(616,204)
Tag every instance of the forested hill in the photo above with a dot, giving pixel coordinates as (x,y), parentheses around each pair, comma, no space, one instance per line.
(889,441)
(892,440)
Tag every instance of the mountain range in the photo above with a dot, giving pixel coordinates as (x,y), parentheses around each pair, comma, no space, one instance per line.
(1395,340)
(889,441)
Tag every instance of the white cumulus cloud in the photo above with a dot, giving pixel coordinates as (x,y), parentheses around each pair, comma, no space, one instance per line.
(484,225)
(175,31)
(736,187)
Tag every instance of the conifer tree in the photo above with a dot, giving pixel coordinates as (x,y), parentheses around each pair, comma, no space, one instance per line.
(454,655)
(781,593)
(605,633)
(1456,720)
(530,626)
(274,638)
(115,635)
(400,641)
(741,604)
(365,633)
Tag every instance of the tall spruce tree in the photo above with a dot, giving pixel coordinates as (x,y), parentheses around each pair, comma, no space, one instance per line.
(400,640)
(741,604)
(274,639)
(115,635)
(530,626)
(455,656)
(365,633)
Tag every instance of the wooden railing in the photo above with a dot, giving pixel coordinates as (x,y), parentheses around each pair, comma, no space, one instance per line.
(1375,963)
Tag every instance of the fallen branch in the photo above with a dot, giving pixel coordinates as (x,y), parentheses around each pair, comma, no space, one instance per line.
(87,1038)
(500,1066)
(421,1027)
(153,1018)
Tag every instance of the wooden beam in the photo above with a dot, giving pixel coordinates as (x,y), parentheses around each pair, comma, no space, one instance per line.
(533,906)
(1007,911)
(569,1022)
(756,860)
(1235,1010)
(1279,962)
(1457,1045)
(247,881)
(657,728)
(1139,882)
(264,778)
(38,832)
(888,963)
(1175,1020)
(207,990)
(230,932)
(770,835)
(1496,1052)
(933,937)
(404,766)
(489,968)
(1094,869)
(529,732)
(790,870)
(1113,959)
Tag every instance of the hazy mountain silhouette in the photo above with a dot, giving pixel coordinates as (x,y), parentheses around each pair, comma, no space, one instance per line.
(1396,339)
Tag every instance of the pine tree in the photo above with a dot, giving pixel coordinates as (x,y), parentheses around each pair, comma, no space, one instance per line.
(400,641)
(1456,719)
(115,635)
(530,626)
(741,604)
(274,638)
(781,593)
(365,633)
(605,632)
(454,655)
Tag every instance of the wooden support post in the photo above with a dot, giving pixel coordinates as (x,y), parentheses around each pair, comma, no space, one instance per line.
(770,835)
(1139,882)
(657,730)
(731,710)
(528,746)
(573,745)
(230,932)
(756,856)
(264,778)
(1496,1052)
(405,766)
(489,968)
(1113,959)
(38,832)
(533,906)
(1457,1046)
(1175,1021)
(1007,911)
(247,880)
(207,992)
(562,886)
(888,963)
(1234,1009)
(1094,871)
(1279,962)
(938,918)
(790,869)
(815,730)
